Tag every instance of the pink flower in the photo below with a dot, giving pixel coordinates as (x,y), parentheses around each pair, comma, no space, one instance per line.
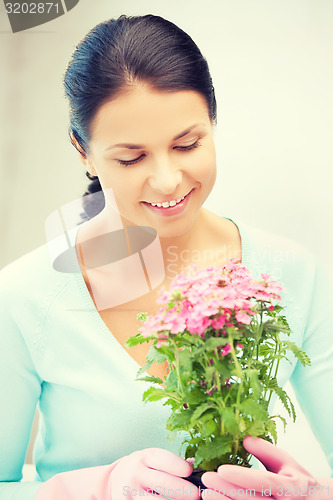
(243,317)
(174,322)
(210,391)
(219,323)
(159,343)
(226,349)
(215,297)
(197,324)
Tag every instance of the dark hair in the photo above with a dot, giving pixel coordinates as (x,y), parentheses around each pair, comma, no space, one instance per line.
(117,53)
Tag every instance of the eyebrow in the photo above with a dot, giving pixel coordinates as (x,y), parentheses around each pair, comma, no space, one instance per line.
(141,146)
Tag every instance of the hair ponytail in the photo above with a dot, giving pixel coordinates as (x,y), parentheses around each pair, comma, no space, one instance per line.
(92,205)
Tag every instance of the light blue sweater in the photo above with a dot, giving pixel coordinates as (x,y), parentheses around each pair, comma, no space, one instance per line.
(56,352)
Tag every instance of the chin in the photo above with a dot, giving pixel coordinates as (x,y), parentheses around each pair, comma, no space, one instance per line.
(174,230)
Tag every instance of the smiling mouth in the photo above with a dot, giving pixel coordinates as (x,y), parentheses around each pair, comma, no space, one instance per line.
(167,204)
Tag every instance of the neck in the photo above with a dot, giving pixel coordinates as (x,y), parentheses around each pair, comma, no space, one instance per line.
(184,250)
(189,239)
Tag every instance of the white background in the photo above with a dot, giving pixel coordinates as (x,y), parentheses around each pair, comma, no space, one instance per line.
(271,62)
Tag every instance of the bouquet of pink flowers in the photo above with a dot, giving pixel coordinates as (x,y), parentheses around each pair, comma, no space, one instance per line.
(220,332)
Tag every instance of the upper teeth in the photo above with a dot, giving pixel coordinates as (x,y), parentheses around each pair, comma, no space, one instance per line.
(167,204)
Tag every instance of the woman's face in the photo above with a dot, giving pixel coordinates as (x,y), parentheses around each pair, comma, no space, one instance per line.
(155,150)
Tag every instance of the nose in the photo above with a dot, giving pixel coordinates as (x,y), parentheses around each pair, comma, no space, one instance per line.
(165,176)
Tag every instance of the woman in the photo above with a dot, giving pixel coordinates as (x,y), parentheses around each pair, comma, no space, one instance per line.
(142,115)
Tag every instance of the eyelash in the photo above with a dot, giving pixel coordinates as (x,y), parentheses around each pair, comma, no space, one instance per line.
(131,162)
(195,145)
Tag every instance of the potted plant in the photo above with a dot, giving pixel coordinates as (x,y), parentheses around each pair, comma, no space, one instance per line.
(223,335)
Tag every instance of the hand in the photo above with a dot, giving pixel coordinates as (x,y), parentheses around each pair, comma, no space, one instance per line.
(284,478)
(155,471)
(141,474)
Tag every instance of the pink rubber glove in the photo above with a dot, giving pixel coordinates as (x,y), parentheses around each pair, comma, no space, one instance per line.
(156,470)
(141,474)
(284,478)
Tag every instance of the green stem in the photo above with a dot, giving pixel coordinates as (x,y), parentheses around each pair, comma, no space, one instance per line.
(276,372)
(236,447)
(272,366)
(220,406)
(260,330)
(177,366)
(171,396)
(239,373)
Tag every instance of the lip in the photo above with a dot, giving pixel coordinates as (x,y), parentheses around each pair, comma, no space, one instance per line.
(170,211)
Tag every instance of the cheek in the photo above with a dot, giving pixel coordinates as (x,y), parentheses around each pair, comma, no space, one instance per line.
(204,165)
(116,193)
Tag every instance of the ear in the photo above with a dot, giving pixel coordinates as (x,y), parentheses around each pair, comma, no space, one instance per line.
(83,157)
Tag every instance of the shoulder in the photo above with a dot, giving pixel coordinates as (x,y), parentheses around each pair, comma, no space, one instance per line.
(284,259)
(29,284)
(33,270)
(304,279)
(267,248)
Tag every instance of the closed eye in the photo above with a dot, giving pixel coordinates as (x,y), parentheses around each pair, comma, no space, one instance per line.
(190,147)
(195,145)
(132,162)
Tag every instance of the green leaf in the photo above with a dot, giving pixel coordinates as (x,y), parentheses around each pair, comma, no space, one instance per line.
(207,416)
(242,424)
(214,342)
(224,369)
(230,421)
(200,410)
(278,324)
(171,402)
(154,394)
(251,407)
(283,420)
(271,428)
(135,340)
(152,379)
(143,369)
(184,357)
(194,395)
(284,398)
(215,448)
(210,428)
(172,383)
(157,355)
(256,428)
(142,316)
(254,382)
(298,352)
(179,420)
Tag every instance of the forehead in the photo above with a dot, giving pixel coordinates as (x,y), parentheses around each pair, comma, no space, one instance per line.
(142,113)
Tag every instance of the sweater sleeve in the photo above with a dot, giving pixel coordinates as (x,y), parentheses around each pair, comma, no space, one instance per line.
(20,388)
(314,385)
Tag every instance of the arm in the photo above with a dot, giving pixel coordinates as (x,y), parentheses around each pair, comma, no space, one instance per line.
(21,347)
(19,392)
(314,385)
(147,473)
